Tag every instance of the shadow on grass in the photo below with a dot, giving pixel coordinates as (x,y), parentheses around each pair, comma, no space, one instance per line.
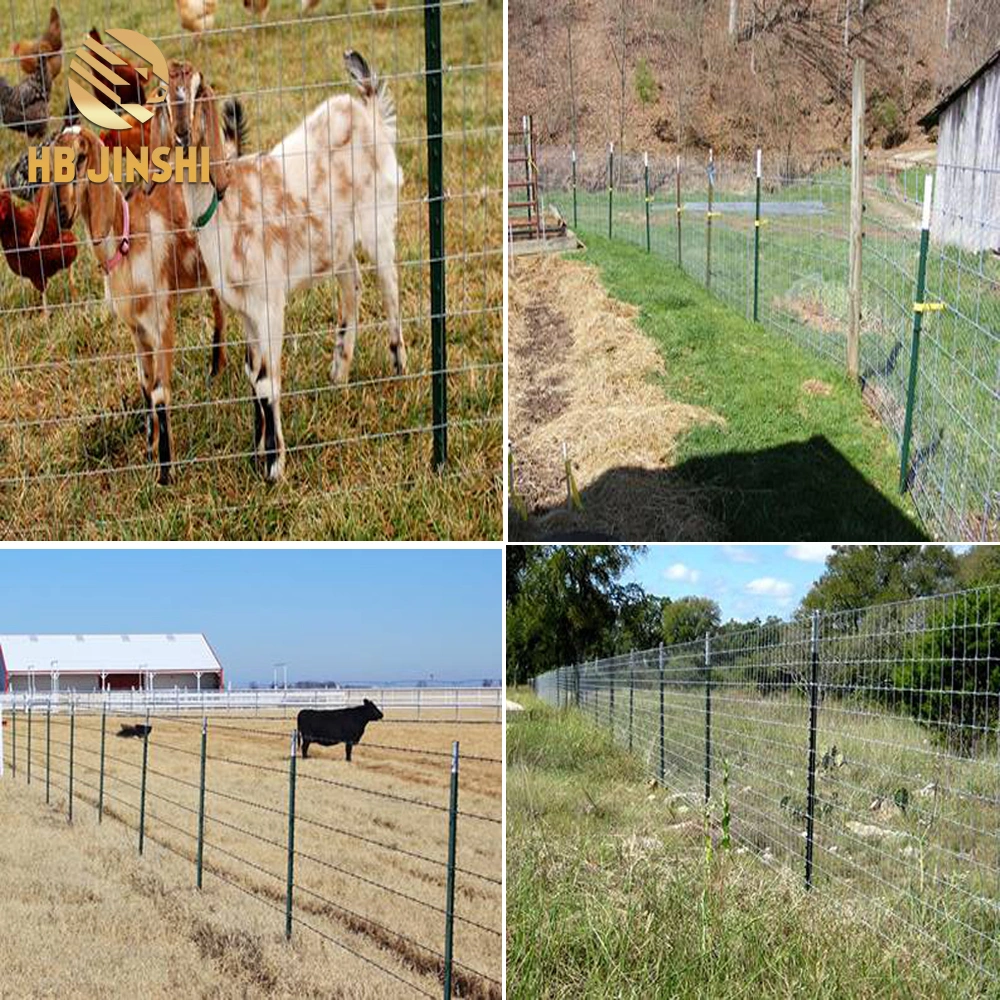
(799,491)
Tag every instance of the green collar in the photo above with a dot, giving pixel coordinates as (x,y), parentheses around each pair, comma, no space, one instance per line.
(206,217)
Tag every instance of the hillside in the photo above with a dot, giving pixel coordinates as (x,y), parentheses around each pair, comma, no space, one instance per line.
(664,76)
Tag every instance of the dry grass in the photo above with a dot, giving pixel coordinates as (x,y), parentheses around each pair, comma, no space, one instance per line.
(72,454)
(583,374)
(107,920)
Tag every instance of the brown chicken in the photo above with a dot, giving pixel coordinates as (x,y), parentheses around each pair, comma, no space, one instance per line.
(56,250)
(49,45)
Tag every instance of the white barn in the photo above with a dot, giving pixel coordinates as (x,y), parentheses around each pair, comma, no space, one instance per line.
(967,178)
(87,663)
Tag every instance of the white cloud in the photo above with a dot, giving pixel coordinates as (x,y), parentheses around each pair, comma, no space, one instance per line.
(682,573)
(769,586)
(739,553)
(815,552)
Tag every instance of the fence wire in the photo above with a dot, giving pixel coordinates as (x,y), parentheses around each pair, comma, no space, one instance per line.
(74,426)
(382,894)
(953,471)
(898,807)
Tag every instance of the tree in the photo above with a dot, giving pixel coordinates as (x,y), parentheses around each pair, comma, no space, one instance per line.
(689,618)
(565,606)
(980,566)
(639,621)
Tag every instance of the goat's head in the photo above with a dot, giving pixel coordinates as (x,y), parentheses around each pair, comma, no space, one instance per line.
(70,199)
(189,118)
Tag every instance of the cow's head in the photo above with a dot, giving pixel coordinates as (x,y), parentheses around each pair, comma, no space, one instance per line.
(372,711)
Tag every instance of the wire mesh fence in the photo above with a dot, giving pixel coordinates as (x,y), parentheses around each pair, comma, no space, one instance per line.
(308,252)
(703,217)
(857,748)
(396,863)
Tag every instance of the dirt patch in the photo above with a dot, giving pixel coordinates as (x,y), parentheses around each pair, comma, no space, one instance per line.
(811,311)
(816,387)
(582,374)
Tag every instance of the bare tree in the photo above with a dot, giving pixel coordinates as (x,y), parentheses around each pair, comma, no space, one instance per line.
(621,18)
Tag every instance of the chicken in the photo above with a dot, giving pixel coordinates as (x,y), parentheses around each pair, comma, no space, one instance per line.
(49,45)
(56,249)
(15,178)
(24,106)
(133,91)
(196,15)
(257,7)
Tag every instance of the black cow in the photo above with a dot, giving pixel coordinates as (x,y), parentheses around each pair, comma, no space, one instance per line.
(139,731)
(328,727)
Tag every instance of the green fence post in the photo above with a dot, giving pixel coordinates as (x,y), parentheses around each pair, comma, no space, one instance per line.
(811,782)
(48,748)
(678,209)
(29,743)
(13,737)
(708,718)
(72,741)
(290,880)
(100,788)
(573,162)
(662,744)
(611,183)
(645,175)
(142,794)
(631,695)
(449,920)
(611,701)
(201,798)
(918,316)
(756,244)
(435,212)
(708,220)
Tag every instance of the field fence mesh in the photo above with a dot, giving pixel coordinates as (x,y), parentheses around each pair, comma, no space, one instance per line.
(906,776)
(954,470)
(53,749)
(74,426)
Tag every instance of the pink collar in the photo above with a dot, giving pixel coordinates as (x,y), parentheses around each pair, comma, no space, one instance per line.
(123,247)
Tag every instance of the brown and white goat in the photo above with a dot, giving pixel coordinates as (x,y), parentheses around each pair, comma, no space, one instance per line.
(276,222)
(149,256)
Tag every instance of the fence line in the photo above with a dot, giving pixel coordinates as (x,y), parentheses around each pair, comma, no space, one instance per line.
(862,745)
(441,961)
(785,261)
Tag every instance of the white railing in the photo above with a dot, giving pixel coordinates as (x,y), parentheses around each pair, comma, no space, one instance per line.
(415,700)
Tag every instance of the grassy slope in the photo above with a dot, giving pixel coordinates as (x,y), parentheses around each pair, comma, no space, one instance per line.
(611,894)
(72,456)
(754,380)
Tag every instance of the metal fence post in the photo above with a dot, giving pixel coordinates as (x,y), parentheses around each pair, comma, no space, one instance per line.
(708,718)
(449,925)
(290,879)
(611,701)
(100,790)
(48,749)
(201,798)
(435,211)
(756,245)
(813,711)
(678,209)
(29,744)
(573,162)
(708,220)
(142,794)
(72,740)
(645,174)
(662,745)
(13,738)
(631,695)
(918,317)
(611,183)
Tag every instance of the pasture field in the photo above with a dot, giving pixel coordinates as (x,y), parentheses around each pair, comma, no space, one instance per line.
(619,887)
(371,839)
(72,449)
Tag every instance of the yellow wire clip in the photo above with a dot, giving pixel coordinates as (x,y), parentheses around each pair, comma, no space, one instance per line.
(760,222)
(926,307)
(713,215)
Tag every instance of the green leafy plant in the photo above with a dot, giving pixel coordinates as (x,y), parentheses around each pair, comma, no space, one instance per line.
(645,82)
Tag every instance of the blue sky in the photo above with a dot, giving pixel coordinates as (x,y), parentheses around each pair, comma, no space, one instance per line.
(745,580)
(345,615)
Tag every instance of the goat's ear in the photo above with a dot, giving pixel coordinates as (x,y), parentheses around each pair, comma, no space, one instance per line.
(160,134)
(42,213)
(211,129)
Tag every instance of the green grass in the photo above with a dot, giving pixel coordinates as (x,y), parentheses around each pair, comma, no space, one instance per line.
(615,890)
(72,453)
(767,472)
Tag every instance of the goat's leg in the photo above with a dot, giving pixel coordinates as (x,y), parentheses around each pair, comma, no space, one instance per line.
(250,366)
(161,398)
(349,279)
(389,285)
(218,335)
(144,364)
(264,341)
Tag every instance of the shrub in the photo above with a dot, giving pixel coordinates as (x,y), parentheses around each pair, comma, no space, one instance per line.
(645,82)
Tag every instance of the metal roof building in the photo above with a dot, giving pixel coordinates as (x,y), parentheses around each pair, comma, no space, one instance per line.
(83,663)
